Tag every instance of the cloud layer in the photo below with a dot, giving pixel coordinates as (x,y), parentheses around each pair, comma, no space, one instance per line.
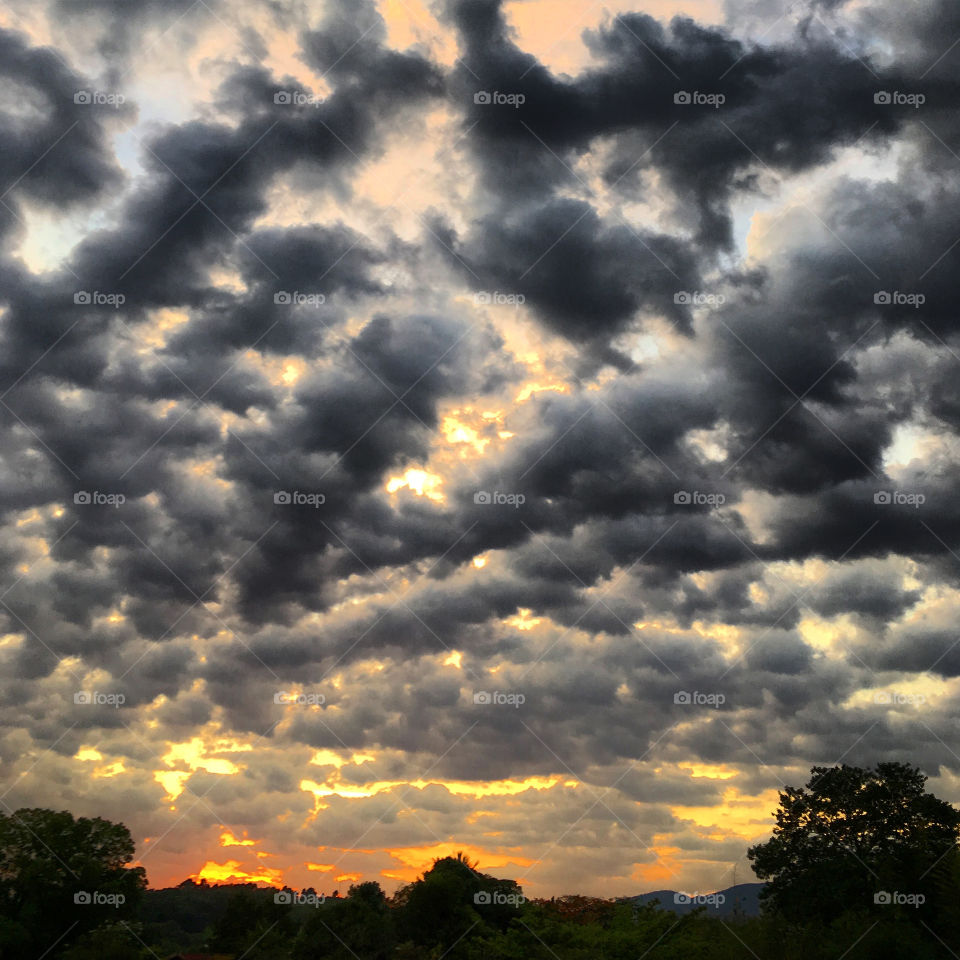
(410,446)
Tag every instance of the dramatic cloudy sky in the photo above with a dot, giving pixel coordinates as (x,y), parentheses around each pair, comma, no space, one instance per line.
(364,362)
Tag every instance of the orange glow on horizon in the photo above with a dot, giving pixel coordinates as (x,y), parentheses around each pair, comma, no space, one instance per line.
(467,788)
(711,771)
(665,867)
(233,872)
(416,860)
(738,814)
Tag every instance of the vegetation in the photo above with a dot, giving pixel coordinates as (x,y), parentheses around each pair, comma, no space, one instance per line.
(61,878)
(852,837)
(862,864)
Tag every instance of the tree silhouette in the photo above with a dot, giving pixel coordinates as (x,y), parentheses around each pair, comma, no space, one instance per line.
(453,899)
(850,838)
(357,925)
(61,877)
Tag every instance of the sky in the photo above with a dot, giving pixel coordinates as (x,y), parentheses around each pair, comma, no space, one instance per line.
(527,428)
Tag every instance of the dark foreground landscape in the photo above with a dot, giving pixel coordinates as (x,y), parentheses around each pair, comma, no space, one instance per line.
(861,864)
(478,479)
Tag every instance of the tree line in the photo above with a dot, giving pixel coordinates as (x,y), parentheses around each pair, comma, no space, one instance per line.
(861,863)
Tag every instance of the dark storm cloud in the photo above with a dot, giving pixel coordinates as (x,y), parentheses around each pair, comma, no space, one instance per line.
(372,409)
(802,379)
(208,180)
(873,591)
(300,283)
(55,150)
(204,186)
(775,100)
(350,48)
(585,279)
(130,11)
(928,651)
(786,108)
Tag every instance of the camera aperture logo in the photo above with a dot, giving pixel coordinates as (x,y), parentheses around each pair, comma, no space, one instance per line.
(896,298)
(294,298)
(899,498)
(98,499)
(296,98)
(99,298)
(698,99)
(94,698)
(715,900)
(886,898)
(300,699)
(697,298)
(514,500)
(699,499)
(291,898)
(99,98)
(896,698)
(698,699)
(497,898)
(484,298)
(485,698)
(298,498)
(484,97)
(95,898)
(897,98)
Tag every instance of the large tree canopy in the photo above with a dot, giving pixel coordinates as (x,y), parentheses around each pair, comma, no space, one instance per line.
(851,836)
(61,877)
(452,898)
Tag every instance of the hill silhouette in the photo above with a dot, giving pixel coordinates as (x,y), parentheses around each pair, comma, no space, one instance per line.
(743,897)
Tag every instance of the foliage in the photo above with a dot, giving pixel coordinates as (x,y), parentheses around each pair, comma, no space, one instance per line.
(358,925)
(851,836)
(451,900)
(253,925)
(848,834)
(62,877)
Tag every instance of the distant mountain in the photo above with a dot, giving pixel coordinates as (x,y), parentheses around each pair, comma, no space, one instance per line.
(722,903)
